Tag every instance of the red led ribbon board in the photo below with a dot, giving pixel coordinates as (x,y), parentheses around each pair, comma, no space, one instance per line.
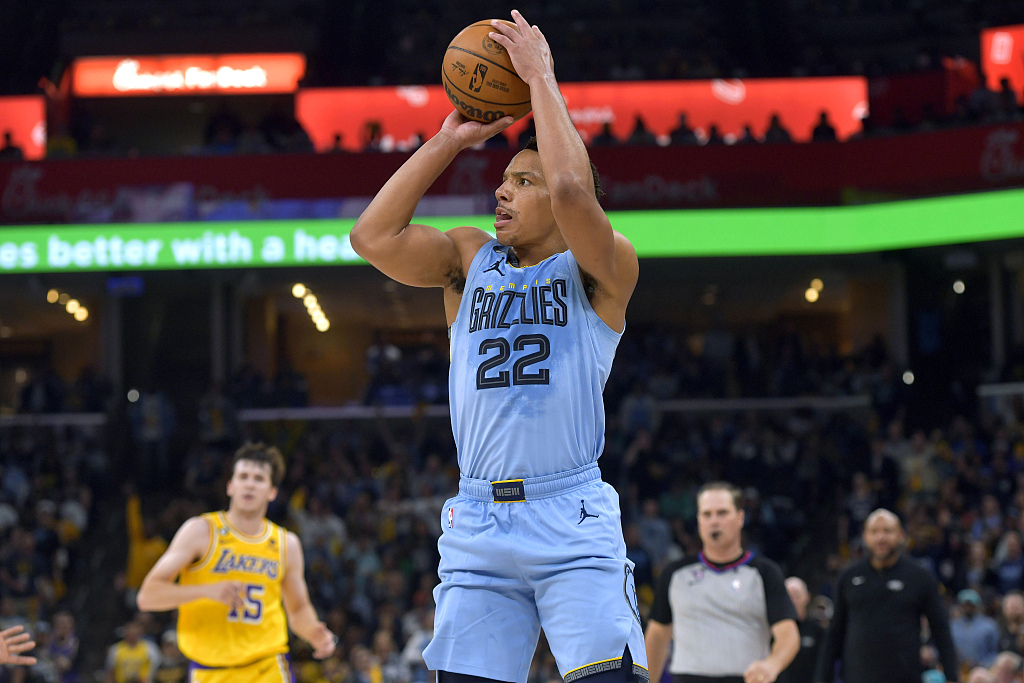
(730,104)
(187,75)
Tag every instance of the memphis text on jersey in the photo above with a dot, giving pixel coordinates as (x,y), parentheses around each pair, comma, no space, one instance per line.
(248,564)
(502,306)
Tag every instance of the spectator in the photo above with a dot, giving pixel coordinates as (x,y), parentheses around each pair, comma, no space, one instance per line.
(748,137)
(10,151)
(1009,568)
(64,647)
(1007,668)
(823,132)
(145,547)
(975,635)
(132,659)
(173,667)
(373,137)
(714,136)
(606,138)
(683,134)
(776,133)
(1012,621)
(655,533)
(812,635)
(641,137)
(337,147)
(393,668)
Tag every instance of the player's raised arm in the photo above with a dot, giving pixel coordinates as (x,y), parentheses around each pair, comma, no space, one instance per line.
(420,255)
(160,593)
(601,252)
(295,595)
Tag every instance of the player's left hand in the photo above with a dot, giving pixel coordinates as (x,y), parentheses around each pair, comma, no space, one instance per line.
(323,641)
(527,47)
(760,671)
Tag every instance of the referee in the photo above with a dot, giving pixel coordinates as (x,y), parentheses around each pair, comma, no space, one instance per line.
(723,608)
(875,632)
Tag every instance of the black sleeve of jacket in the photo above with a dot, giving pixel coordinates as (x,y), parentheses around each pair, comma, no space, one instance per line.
(831,651)
(938,622)
(661,609)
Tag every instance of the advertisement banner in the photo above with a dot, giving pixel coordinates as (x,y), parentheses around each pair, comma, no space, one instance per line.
(676,233)
(340,185)
(405,111)
(187,75)
(1002,56)
(24,117)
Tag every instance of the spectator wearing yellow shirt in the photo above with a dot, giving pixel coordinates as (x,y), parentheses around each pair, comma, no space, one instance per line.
(132,660)
(144,548)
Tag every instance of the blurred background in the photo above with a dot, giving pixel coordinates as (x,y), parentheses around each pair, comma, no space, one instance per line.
(826,196)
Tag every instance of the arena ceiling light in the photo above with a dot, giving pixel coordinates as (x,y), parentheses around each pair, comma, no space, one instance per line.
(73,306)
(309,300)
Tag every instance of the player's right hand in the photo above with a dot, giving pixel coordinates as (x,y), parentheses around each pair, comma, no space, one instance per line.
(229,593)
(468,133)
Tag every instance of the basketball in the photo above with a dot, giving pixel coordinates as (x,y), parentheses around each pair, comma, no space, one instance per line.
(479,78)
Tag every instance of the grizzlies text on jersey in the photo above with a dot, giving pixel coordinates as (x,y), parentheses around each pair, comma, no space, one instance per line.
(212,634)
(527,350)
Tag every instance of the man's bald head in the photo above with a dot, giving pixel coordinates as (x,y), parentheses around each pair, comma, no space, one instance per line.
(799,594)
(883,537)
(883,516)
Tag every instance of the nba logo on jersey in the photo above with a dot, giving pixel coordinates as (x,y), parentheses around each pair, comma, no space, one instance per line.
(451,517)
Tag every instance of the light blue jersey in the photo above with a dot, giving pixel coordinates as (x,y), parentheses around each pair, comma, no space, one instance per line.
(529,361)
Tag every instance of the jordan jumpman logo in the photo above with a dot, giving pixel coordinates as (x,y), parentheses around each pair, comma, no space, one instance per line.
(584,514)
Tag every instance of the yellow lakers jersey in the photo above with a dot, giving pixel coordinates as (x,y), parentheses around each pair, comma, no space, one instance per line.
(212,634)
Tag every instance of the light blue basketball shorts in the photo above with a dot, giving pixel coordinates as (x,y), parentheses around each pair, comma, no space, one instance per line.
(551,557)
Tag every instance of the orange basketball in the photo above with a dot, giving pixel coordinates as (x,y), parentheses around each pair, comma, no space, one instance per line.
(479,78)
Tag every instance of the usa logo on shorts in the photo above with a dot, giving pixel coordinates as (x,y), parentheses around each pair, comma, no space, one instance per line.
(451,518)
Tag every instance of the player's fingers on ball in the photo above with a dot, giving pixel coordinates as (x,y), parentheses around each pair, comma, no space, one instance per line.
(520,20)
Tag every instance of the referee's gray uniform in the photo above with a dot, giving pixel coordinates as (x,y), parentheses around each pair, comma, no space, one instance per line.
(721,615)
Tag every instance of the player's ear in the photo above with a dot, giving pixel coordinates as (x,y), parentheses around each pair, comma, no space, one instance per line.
(273,493)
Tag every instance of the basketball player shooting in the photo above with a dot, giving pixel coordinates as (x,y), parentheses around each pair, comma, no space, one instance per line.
(533,539)
(239,575)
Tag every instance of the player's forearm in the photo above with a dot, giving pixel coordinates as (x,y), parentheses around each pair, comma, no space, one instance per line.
(563,155)
(303,621)
(157,595)
(392,208)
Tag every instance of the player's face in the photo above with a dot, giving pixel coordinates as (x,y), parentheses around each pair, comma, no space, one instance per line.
(250,487)
(883,536)
(719,523)
(523,214)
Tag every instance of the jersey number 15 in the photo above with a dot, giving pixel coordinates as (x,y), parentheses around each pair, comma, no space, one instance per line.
(253,612)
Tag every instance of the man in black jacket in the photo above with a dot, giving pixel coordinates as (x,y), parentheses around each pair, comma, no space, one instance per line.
(875,632)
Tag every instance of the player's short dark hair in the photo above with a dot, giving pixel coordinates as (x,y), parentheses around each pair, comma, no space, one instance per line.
(531,144)
(734,491)
(263,454)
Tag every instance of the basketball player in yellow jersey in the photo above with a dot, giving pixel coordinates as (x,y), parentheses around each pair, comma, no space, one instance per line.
(239,575)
